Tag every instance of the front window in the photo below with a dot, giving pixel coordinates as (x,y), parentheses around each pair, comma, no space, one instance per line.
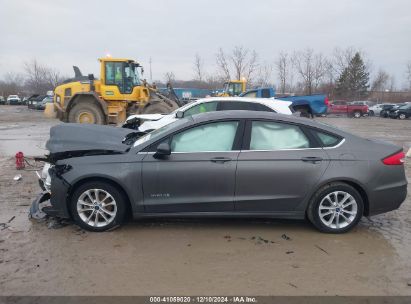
(217,136)
(277,136)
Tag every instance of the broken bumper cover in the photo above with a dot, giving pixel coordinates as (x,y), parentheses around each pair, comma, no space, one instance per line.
(36,211)
(45,203)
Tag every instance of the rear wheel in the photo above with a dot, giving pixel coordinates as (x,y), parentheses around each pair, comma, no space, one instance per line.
(86,112)
(335,208)
(98,206)
(357,114)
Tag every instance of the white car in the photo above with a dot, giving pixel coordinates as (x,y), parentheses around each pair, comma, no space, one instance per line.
(13,100)
(149,122)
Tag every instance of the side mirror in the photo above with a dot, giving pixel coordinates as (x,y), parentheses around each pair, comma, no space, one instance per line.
(179,114)
(163,149)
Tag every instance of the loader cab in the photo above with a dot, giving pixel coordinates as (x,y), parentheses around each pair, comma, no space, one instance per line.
(119,77)
(234,87)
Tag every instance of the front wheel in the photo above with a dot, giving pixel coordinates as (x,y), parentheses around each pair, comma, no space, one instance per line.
(98,206)
(402,116)
(371,113)
(335,208)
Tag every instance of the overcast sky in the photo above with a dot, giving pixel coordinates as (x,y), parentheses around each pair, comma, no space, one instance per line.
(70,32)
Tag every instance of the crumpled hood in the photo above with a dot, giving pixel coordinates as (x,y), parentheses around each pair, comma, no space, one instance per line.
(146,116)
(68,137)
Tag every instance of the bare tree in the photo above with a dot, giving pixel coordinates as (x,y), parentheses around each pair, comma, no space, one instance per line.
(198,68)
(11,85)
(40,78)
(381,81)
(264,75)
(241,62)
(252,66)
(408,74)
(222,65)
(311,68)
(169,77)
(283,67)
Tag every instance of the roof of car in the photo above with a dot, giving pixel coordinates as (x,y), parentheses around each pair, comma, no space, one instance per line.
(265,101)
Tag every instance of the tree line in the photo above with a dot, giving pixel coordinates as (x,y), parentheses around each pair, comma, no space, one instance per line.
(36,78)
(345,74)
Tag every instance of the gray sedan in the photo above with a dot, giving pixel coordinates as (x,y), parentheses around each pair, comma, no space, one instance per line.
(222,164)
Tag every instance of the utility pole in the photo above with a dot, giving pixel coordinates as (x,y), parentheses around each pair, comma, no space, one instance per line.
(151,72)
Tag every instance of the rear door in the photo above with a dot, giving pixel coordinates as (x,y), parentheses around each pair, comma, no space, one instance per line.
(277,167)
(199,175)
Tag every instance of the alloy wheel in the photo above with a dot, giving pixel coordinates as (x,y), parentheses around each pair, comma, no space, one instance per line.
(338,209)
(402,116)
(96,207)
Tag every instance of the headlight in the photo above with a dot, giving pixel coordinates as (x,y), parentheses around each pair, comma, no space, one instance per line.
(45,176)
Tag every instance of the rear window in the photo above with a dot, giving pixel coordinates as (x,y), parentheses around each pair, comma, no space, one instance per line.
(327,139)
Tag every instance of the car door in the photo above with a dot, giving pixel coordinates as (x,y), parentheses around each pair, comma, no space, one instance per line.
(277,167)
(199,175)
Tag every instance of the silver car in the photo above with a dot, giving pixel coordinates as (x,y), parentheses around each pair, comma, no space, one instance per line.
(224,164)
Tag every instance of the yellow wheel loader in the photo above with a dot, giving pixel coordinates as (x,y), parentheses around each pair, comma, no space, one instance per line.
(119,92)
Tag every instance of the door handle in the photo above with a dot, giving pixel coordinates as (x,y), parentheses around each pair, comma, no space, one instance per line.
(311,159)
(220,159)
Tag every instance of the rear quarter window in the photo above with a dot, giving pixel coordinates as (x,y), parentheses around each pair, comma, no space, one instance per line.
(326,139)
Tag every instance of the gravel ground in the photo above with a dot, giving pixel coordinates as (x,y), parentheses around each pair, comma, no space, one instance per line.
(191,257)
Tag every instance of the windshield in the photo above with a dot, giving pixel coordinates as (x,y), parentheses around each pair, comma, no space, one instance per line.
(159,132)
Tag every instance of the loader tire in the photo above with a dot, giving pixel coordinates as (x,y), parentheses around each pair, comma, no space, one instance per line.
(88,113)
(158,108)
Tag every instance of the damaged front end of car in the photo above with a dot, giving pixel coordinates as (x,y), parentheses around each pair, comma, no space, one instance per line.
(71,141)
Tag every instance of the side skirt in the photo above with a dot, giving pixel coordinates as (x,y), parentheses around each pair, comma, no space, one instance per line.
(275,215)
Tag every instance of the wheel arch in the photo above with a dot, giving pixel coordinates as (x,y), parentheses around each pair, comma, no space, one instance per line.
(351,182)
(105,179)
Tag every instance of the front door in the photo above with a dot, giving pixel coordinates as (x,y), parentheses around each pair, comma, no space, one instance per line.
(199,175)
(277,169)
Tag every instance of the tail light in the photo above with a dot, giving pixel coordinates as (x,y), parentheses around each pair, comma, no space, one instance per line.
(326,101)
(396,159)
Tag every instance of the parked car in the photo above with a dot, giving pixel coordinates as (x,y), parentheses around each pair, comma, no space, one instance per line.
(376,109)
(346,108)
(41,105)
(385,111)
(149,122)
(2,100)
(402,112)
(223,164)
(34,98)
(393,109)
(307,105)
(13,100)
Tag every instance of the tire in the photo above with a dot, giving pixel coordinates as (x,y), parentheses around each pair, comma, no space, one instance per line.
(158,108)
(357,114)
(371,113)
(86,112)
(402,116)
(99,214)
(356,205)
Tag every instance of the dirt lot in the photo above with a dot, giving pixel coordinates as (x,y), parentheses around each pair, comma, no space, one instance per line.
(207,257)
